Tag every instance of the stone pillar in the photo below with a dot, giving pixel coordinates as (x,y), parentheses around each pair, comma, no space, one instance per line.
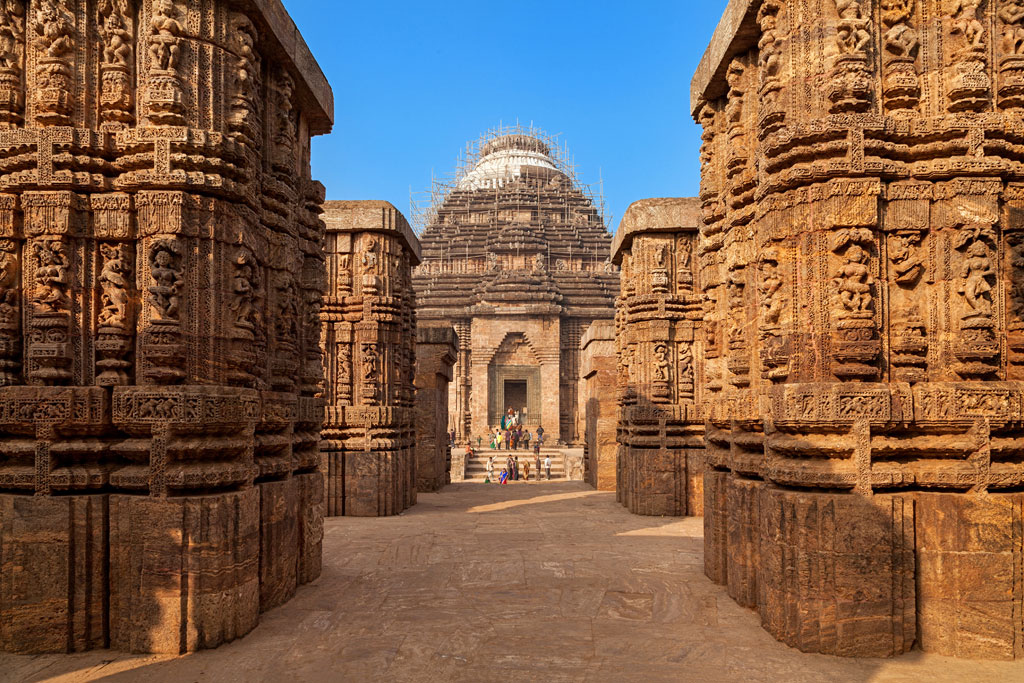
(437,348)
(369,463)
(860,264)
(598,405)
(660,425)
(161,266)
(479,394)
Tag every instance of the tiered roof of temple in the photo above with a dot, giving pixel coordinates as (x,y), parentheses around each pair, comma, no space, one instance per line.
(515,229)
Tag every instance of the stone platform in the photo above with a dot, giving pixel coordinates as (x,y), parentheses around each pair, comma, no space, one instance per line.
(552,582)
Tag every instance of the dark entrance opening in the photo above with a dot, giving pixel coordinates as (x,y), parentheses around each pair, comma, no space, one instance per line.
(515,396)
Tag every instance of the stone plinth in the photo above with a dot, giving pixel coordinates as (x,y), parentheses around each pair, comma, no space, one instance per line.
(658,320)
(161,267)
(437,348)
(369,343)
(861,262)
(599,406)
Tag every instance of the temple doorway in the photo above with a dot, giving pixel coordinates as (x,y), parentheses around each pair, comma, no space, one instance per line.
(516,398)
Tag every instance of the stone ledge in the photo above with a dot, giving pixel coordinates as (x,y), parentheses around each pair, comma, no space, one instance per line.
(599,330)
(737,32)
(662,214)
(295,51)
(371,215)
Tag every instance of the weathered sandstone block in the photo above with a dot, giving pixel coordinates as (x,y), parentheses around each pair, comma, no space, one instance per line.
(437,348)
(861,266)
(599,404)
(161,267)
(658,314)
(369,343)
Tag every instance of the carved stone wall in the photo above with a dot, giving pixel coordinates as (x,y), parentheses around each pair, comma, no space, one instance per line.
(599,406)
(369,345)
(861,265)
(437,348)
(660,374)
(160,274)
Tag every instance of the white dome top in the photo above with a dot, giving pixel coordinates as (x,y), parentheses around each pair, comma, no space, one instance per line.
(502,160)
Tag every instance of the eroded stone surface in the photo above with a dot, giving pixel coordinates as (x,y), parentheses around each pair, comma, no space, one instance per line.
(369,343)
(599,407)
(860,263)
(437,348)
(660,354)
(160,275)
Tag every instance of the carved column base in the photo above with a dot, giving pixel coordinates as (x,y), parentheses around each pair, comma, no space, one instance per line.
(50,349)
(164,353)
(851,84)
(901,86)
(54,102)
(862,605)
(113,346)
(856,349)
(165,102)
(977,349)
(115,98)
(12,105)
(1011,82)
(968,90)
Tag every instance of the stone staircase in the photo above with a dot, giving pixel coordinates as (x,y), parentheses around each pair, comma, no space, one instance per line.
(476,466)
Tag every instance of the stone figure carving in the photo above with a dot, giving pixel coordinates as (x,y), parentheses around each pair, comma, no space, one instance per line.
(1011,12)
(284,128)
(561,264)
(538,262)
(907,266)
(974,280)
(12,34)
(51,275)
(168,280)
(854,283)
(244,285)
(117,41)
(245,75)
(853,29)
(768,288)
(770,45)
(165,35)
(1015,305)
(286,321)
(115,284)
(54,30)
(661,363)
(966,23)
(900,38)
(370,258)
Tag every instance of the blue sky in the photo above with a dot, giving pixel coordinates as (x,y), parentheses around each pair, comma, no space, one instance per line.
(413,81)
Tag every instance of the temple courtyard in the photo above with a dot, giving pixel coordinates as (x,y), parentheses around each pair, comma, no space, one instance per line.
(536,581)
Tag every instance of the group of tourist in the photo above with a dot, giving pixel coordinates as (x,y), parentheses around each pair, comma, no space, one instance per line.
(514,468)
(511,435)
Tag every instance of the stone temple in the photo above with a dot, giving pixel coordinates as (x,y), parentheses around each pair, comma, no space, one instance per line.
(516,257)
(822,355)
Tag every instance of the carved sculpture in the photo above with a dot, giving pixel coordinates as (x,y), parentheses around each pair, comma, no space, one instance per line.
(863,362)
(143,420)
(370,450)
(657,335)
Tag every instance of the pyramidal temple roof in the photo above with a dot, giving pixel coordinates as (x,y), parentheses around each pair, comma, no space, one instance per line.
(512,229)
